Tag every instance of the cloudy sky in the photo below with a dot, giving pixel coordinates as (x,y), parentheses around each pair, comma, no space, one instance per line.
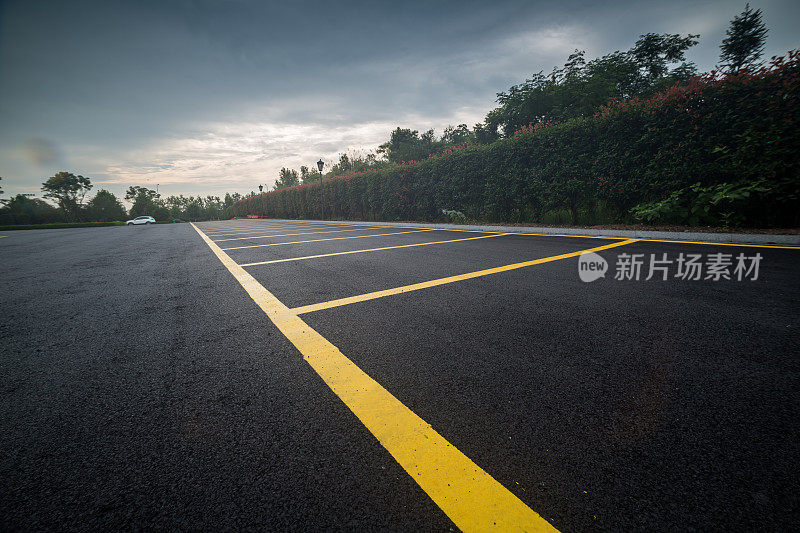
(209,96)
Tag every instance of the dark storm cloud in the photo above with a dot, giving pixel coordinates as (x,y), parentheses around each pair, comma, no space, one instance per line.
(117,84)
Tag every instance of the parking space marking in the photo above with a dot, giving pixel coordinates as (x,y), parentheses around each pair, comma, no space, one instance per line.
(606,237)
(232,232)
(288,234)
(370,250)
(472,498)
(723,244)
(310,226)
(450,279)
(329,239)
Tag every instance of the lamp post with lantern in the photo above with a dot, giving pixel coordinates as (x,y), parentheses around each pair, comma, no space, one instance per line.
(321,164)
(261,194)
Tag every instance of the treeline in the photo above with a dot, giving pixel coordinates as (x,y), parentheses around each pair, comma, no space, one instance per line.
(69,192)
(634,136)
(577,89)
(717,150)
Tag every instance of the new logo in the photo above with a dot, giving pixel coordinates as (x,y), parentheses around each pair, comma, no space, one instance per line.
(591,266)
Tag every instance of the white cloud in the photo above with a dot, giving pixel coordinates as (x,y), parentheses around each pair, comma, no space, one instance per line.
(238,155)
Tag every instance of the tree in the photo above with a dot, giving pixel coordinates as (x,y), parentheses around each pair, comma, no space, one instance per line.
(744,44)
(286,178)
(23,210)
(105,207)
(176,205)
(458,135)
(68,190)
(408,145)
(213,207)
(654,53)
(144,200)
(579,88)
(194,210)
(308,176)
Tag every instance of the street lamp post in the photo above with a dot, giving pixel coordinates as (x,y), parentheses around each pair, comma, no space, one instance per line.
(261,194)
(321,164)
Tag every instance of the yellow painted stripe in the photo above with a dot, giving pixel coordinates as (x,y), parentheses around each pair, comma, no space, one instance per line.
(315,226)
(473,499)
(287,234)
(369,250)
(243,231)
(276,224)
(329,239)
(723,244)
(262,226)
(607,237)
(450,279)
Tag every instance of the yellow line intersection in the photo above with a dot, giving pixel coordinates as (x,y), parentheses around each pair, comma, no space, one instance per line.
(472,498)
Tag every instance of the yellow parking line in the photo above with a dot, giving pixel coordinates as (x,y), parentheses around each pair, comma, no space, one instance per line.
(288,234)
(234,231)
(607,237)
(330,239)
(288,228)
(450,279)
(251,231)
(370,250)
(723,244)
(304,225)
(472,498)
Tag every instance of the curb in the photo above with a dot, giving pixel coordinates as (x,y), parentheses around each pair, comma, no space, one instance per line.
(729,238)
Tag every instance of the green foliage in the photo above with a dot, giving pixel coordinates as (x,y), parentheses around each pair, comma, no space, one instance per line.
(579,88)
(744,203)
(59,225)
(105,207)
(23,210)
(744,44)
(713,130)
(287,178)
(456,217)
(69,191)
(144,200)
(194,211)
(407,145)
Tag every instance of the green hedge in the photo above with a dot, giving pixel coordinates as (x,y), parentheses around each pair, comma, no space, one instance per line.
(60,225)
(723,132)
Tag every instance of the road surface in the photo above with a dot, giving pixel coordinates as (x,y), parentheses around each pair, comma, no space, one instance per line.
(365,377)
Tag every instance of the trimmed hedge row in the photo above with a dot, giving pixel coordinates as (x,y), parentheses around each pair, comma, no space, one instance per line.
(60,225)
(713,131)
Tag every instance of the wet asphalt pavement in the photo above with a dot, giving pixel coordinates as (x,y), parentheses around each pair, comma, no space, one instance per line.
(143,389)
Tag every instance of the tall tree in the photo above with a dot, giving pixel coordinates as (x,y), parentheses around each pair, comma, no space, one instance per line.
(104,207)
(744,44)
(69,191)
(654,53)
(580,87)
(144,200)
(287,178)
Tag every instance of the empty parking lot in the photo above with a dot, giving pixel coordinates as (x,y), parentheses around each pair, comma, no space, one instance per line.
(297,374)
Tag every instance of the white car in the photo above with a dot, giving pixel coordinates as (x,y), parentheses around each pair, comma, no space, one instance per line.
(140,220)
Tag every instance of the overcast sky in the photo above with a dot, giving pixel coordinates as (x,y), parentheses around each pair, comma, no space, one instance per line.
(209,96)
